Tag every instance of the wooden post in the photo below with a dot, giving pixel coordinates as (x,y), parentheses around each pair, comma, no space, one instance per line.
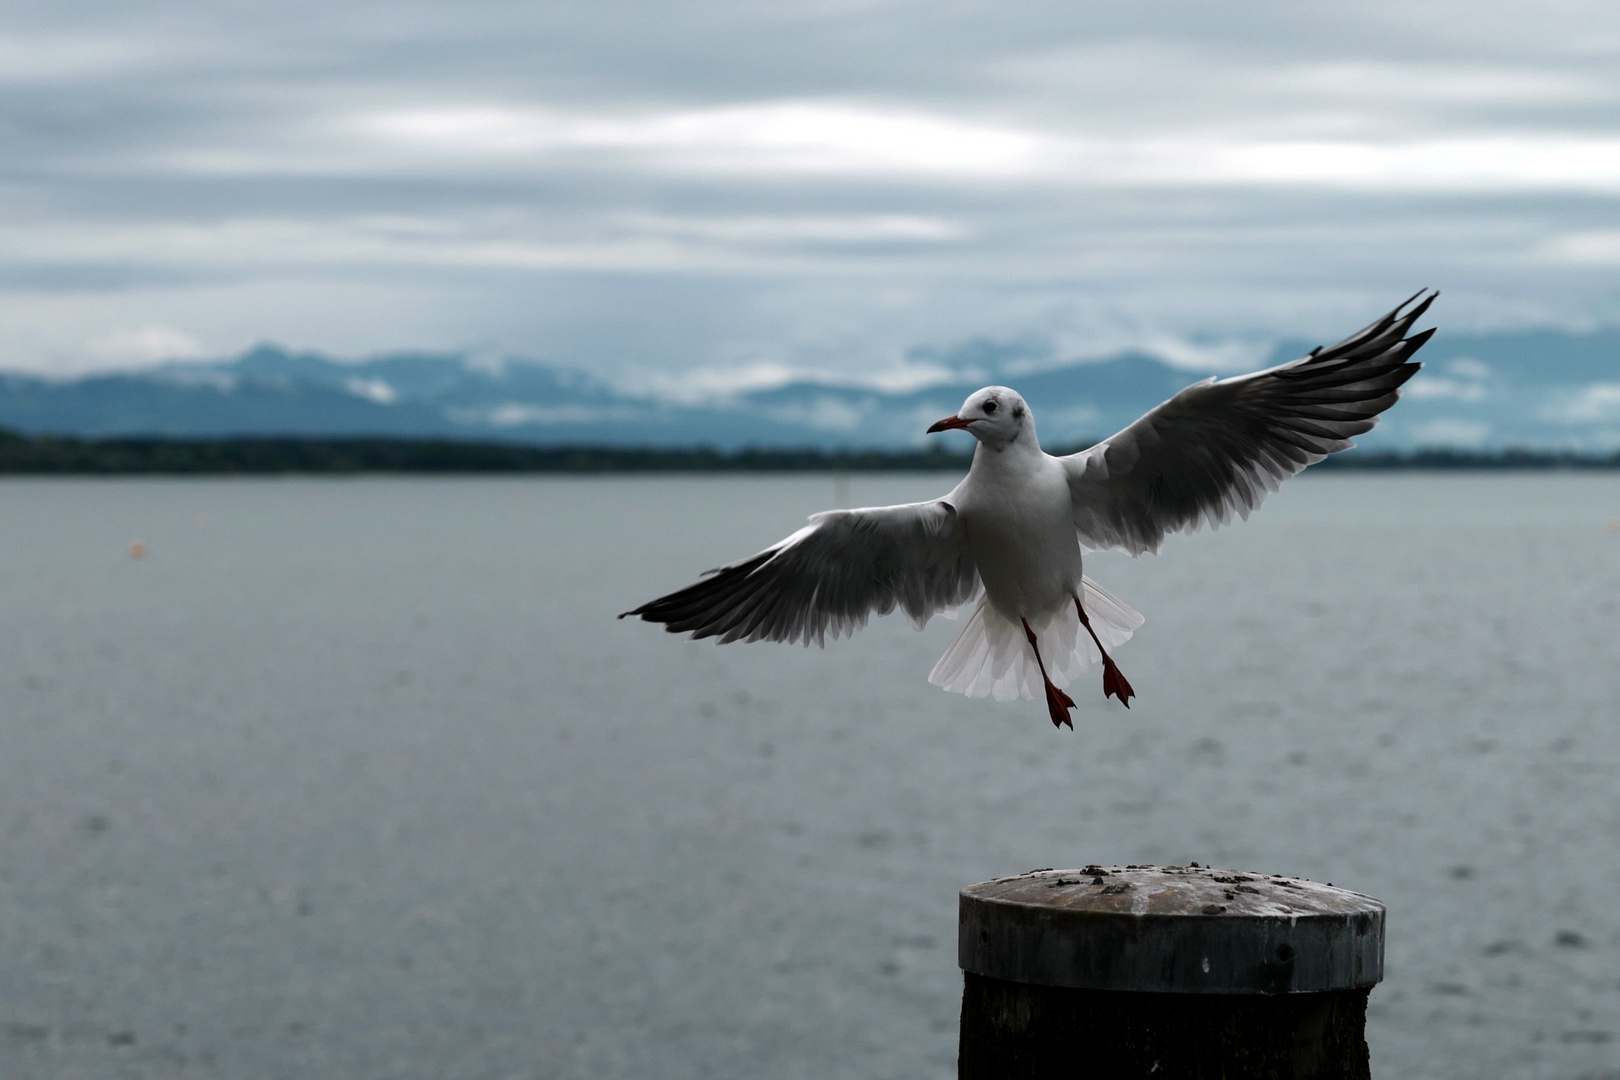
(1168,972)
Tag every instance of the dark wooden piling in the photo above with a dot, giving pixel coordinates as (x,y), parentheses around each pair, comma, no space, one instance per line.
(1167,972)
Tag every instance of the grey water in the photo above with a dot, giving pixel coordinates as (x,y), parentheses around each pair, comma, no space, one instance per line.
(361,778)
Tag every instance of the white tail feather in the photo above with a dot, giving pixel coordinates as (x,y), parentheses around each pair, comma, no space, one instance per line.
(1113,619)
(991,657)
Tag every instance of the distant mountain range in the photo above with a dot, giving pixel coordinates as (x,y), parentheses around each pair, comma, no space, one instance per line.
(1535,389)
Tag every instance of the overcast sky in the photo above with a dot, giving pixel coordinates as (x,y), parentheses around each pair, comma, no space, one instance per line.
(713,194)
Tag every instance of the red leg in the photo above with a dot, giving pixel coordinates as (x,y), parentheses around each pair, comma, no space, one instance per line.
(1058,703)
(1114,681)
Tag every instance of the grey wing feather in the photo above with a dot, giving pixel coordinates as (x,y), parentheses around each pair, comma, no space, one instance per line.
(829,577)
(1216,449)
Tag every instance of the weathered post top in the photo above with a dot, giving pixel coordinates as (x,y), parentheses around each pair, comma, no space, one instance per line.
(1171,929)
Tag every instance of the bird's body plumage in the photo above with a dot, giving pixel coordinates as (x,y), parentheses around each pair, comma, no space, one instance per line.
(1016,526)
(1016,510)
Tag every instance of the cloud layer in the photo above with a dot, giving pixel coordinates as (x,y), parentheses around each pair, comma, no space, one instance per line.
(680,193)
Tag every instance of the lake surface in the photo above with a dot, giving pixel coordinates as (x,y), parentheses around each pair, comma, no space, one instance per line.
(360,778)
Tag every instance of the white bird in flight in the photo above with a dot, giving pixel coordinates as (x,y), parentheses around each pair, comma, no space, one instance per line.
(1017,524)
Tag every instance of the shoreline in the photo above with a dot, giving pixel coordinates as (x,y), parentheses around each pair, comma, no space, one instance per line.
(257,455)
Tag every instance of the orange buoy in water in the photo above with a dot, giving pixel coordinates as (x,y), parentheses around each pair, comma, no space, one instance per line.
(137,549)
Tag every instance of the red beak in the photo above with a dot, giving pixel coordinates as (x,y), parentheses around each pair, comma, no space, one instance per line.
(949,423)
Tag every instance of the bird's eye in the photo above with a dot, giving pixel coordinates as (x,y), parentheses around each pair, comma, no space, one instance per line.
(989,406)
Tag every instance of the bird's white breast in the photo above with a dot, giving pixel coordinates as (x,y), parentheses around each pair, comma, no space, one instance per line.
(1020,528)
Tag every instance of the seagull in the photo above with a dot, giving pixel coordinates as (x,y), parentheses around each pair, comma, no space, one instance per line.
(1013,532)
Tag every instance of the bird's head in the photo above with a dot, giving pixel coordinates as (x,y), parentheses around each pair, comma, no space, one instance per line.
(996,416)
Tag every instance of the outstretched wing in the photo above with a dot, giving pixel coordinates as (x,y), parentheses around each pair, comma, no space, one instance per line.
(829,577)
(1220,446)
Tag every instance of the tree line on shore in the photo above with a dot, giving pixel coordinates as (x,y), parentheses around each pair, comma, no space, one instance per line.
(124,455)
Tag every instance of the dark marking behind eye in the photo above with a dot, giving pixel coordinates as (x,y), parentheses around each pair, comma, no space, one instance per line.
(1018,412)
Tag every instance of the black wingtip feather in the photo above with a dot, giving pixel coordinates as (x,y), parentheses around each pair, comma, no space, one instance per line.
(1417,313)
(1411,298)
(1417,341)
(710,606)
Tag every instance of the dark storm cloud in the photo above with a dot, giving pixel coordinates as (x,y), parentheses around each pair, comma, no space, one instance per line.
(701,195)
